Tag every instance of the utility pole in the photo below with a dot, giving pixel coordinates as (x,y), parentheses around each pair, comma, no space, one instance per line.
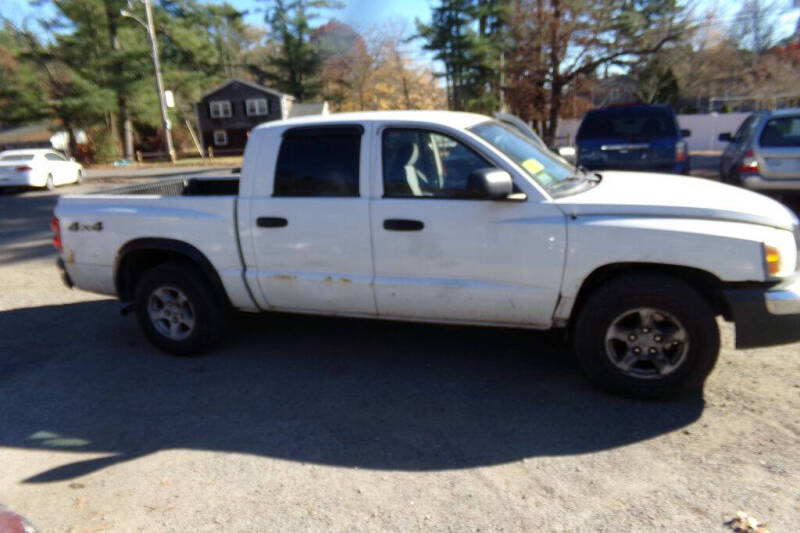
(151,31)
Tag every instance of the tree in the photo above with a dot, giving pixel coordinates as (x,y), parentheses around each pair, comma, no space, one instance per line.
(575,38)
(41,79)
(656,82)
(93,38)
(466,36)
(21,95)
(345,64)
(296,66)
(371,70)
(755,24)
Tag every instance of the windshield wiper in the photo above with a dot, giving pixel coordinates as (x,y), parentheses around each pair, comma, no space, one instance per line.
(585,173)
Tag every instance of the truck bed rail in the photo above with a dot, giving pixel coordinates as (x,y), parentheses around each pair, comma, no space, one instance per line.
(217,186)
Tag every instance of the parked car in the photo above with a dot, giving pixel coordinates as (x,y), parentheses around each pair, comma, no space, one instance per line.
(642,137)
(38,168)
(451,218)
(764,153)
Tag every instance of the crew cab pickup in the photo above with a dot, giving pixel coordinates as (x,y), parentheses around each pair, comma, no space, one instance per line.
(450,218)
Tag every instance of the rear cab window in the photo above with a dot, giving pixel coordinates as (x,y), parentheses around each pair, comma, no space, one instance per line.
(781,132)
(319,161)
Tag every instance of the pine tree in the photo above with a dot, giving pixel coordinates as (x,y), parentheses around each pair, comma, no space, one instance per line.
(296,67)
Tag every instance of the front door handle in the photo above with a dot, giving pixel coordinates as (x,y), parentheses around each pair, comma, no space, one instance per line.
(271,222)
(402,224)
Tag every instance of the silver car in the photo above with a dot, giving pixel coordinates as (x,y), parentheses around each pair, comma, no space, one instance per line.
(764,153)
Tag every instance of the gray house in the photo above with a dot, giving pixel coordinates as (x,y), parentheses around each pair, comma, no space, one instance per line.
(227,113)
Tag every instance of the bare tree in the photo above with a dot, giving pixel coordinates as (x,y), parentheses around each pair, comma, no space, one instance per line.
(755,24)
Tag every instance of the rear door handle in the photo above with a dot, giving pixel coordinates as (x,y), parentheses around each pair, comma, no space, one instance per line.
(271,222)
(402,224)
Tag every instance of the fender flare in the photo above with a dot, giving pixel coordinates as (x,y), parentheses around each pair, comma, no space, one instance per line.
(168,246)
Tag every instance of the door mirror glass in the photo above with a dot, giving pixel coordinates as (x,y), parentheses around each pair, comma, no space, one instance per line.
(491,183)
(725,137)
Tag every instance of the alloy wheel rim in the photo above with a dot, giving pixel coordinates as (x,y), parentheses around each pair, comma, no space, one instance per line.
(171,313)
(647,343)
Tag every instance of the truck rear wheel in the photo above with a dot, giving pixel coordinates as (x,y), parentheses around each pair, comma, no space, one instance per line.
(647,336)
(177,309)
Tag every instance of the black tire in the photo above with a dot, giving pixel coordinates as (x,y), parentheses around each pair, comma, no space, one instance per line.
(666,294)
(208,313)
(733,177)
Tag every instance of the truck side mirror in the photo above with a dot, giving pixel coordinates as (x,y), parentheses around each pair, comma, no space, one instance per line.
(686,133)
(725,137)
(491,183)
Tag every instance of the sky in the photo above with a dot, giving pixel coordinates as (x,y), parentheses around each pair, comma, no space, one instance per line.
(363,14)
(357,13)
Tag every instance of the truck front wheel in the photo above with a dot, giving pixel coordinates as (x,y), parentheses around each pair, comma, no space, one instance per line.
(647,336)
(177,310)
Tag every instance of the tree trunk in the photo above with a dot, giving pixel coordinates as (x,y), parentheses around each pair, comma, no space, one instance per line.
(127,128)
(555,110)
(122,108)
(72,142)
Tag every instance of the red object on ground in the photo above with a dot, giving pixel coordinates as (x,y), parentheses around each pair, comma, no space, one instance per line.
(11,522)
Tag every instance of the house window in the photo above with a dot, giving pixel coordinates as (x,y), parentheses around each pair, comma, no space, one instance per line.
(220,137)
(220,109)
(257,106)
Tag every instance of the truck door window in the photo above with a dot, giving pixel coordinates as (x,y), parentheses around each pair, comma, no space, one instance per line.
(420,163)
(318,162)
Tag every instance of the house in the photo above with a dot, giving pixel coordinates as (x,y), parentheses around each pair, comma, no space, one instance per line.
(227,113)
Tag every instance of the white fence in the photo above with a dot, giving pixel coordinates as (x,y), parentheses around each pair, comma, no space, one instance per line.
(705,129)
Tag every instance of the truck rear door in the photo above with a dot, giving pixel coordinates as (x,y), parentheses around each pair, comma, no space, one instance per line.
(309,220)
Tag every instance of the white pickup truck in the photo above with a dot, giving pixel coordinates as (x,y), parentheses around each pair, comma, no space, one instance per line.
(451,218)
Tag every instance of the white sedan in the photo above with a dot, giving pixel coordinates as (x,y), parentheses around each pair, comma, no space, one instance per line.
(37,168)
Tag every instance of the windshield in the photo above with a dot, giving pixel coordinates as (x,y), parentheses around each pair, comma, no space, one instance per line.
(16,157)
(627,123)
(546,168)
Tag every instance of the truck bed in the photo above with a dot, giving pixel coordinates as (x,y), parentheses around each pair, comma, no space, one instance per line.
(199,212)
(184,186)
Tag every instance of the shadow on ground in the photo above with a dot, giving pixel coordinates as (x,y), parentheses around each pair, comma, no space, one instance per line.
(25,227)
(358,393)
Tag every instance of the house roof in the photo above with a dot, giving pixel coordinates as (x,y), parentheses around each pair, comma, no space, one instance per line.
(243,82)
(27,134)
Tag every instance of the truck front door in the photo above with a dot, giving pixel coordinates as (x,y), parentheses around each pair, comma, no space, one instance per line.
(443,255)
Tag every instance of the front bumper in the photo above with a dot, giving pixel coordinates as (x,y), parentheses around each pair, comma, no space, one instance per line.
(766,316)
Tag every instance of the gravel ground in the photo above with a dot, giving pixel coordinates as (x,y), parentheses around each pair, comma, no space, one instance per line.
(317,424)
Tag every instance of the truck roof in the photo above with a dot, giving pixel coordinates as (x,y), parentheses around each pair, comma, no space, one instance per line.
(455,119)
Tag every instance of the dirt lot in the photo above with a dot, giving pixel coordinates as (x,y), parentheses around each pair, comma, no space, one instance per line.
(318,424)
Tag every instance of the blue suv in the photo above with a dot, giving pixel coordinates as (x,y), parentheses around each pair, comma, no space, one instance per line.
(642,137)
